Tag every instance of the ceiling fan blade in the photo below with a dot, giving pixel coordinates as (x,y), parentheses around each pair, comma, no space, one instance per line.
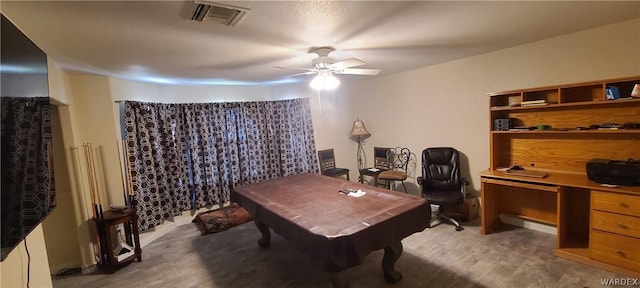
(356,71)
(351,62)
(300,74)
(295,68)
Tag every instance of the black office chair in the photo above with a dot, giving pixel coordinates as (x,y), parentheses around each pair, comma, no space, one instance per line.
(398,161)
(328,164)
(441,182)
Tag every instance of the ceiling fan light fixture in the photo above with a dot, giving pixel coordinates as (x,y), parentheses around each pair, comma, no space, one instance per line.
(326,68)
(331,82)
(324,81)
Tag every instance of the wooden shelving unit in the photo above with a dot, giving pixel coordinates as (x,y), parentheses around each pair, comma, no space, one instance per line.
(561,148)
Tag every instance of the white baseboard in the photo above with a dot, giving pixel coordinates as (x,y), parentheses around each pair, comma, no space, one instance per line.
(89,269)
(66,265)
(509,219)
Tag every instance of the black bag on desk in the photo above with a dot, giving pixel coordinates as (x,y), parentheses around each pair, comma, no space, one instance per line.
(626,173)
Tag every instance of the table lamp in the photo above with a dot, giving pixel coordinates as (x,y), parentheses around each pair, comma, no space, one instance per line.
(359,133)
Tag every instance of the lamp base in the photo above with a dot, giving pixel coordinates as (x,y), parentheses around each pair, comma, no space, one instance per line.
(361,157)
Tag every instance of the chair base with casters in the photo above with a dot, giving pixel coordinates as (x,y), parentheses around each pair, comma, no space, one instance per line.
(445,217)
(441,210)
(436,198)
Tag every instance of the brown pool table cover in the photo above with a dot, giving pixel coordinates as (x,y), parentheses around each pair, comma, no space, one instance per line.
(336,230)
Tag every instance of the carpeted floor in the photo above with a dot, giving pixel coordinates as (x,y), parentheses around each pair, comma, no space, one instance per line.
(436,257)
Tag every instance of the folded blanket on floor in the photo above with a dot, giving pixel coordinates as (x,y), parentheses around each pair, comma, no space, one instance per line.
(221,219)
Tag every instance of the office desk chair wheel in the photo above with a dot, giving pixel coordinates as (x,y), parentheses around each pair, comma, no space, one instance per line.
(452,221)
(442,217)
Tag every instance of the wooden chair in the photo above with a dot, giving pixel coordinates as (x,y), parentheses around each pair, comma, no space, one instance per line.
(380,162)
(380,158)
(328,164)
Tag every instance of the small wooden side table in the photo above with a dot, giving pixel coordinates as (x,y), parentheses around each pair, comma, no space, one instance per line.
(109,260)
(371,173)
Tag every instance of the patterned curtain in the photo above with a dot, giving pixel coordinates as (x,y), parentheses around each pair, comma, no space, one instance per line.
(28,191)
(188,156)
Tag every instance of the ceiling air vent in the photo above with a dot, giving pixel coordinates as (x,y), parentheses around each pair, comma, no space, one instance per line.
(218,13)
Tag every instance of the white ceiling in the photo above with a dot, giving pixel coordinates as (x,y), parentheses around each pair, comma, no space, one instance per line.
(157,41)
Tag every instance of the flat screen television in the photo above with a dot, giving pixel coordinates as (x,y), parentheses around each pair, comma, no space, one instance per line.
(27,187)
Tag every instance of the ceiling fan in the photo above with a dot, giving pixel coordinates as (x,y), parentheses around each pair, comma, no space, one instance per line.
(326,66)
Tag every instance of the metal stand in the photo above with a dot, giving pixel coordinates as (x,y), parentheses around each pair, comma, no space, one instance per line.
(361,156)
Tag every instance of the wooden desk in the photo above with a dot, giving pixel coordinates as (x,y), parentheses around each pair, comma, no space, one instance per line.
(570,202)
(596,225)
(337,231)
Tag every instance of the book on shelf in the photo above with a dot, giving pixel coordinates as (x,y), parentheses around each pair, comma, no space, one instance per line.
(612,93)
(544,102)
(522,128)
(533,102)
(510,105)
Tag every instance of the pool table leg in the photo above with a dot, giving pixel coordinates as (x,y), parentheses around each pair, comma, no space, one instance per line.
(340,279)
(391,255)
(265,241)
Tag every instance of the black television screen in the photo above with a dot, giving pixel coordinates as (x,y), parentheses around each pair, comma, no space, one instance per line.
(27,171)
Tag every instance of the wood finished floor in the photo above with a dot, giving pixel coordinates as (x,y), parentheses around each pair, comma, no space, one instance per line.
(436,257)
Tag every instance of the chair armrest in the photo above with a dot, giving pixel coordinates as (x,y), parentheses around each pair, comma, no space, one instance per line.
(463,188)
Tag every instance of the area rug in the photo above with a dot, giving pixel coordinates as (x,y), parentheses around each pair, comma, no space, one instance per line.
(221,219)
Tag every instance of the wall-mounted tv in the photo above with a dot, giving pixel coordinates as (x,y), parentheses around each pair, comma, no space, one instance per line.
(27,187)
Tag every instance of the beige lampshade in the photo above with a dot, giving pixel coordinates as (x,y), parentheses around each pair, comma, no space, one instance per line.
(359,132)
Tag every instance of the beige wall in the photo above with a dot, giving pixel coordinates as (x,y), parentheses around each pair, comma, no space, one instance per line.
(59,227)
(78,216)
(14,269)
(447,105)
(121,90)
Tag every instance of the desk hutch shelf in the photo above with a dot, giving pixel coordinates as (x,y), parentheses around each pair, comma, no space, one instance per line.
(553,129)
